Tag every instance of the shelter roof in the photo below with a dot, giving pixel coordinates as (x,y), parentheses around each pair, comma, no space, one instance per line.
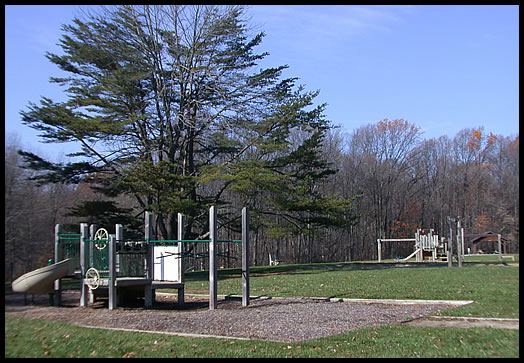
(486,236)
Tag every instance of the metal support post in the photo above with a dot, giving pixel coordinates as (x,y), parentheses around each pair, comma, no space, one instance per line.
(57,290)
(112,273)
(379,248)
(83,268)
(51,294)
(212,258)
(119,229)
(245,257)
(91,246)
(180,260)
(459,252)
(499,240)
(450,242)
(462,248)
(149,263)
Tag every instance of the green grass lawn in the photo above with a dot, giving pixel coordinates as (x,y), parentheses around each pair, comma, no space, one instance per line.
(492,258)
(495,290)
(26,338)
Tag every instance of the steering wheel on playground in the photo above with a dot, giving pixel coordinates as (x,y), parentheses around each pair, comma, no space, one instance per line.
(92,278)
(103,236)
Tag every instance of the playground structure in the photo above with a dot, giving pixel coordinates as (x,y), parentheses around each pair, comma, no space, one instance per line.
(110,266)
(428,247)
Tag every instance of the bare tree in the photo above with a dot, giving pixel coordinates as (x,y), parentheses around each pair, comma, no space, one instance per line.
(30,213)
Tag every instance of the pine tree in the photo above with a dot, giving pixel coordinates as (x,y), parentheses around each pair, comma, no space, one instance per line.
(168,106)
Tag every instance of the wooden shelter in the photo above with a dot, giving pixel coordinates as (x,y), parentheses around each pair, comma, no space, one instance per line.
(487,242)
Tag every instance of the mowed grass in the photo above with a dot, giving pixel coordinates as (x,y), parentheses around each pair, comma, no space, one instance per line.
(494,289)
(27,338)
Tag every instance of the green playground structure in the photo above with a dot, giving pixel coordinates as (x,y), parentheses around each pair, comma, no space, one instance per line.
(110,266)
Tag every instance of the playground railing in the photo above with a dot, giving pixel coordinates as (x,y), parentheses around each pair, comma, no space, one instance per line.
(69,246)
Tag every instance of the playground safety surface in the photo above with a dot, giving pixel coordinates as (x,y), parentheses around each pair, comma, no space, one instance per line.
(278,319)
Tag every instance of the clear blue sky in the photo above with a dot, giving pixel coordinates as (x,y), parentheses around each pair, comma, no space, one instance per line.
(443,68)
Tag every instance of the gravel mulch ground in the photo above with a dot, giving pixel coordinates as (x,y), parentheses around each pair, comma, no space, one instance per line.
(283,320)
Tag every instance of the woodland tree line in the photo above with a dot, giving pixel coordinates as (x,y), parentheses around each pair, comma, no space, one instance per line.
(399,182)
(172,114)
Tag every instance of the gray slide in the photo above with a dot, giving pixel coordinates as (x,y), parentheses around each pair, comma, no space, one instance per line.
(41,281)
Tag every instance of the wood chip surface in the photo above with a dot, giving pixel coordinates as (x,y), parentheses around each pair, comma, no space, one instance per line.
(278,319)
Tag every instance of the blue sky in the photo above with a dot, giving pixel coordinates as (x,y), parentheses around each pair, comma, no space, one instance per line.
(443,68)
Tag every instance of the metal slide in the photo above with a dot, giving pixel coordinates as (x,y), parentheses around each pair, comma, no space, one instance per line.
(41,281)
(410,256)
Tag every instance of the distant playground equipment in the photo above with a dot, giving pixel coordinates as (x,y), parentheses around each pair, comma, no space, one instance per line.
(428,247)
(110,266)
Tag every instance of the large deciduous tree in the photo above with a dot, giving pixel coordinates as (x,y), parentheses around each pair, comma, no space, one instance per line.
(383,156)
